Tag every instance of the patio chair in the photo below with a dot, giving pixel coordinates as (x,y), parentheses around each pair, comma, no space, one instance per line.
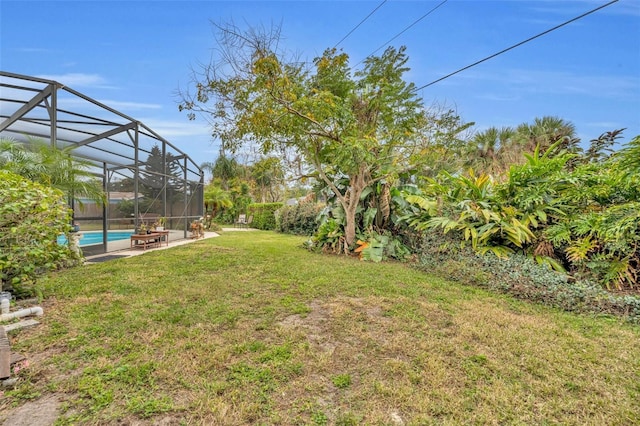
(242,221)
(248,222)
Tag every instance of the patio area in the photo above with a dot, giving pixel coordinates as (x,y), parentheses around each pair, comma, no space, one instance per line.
(123,248)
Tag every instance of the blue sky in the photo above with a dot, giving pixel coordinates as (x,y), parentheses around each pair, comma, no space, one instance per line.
(134,55)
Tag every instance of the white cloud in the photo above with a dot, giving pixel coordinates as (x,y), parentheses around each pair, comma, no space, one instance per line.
(563,82)
(183,129)
(74,80)
(124,105)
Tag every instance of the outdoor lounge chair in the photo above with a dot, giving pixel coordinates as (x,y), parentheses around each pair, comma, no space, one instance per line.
(242,221)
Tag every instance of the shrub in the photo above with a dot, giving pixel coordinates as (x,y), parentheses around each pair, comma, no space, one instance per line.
(574,214)
(263,215)
(32,216)
(299,219)
(521,277)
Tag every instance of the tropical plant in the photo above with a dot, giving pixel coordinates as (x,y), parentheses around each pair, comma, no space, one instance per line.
(630,157)
(469,206)
(215,199)
(223,170)
(600,237)
(492,151)
(545,133)
(576,212)
(57,168)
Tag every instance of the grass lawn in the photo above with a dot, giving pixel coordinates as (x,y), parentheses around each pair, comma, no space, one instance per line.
(249,328)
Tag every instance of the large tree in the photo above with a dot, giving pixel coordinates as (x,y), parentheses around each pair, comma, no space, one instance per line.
(160,174)
(268,175)
(362,126)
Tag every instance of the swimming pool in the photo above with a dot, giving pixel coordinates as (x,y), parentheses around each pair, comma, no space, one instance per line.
(95,237)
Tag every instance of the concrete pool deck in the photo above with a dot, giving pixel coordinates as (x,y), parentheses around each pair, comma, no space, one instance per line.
(122,248)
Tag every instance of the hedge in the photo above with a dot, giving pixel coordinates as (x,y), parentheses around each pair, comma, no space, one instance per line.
(263,215)
(299,219)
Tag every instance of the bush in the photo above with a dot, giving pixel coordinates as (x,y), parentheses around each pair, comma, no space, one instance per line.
(299,219)
(521,277)
(263,215)
(32,216)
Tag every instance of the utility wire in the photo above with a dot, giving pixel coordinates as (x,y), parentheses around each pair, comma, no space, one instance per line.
(403,31)
(361,22)
(518,44)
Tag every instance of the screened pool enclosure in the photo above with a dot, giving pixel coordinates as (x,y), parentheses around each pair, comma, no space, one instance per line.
(146,178)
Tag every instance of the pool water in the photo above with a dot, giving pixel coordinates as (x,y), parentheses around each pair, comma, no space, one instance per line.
(95,237)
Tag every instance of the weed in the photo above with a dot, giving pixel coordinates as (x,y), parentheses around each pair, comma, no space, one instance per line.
(341,381)
(319,418)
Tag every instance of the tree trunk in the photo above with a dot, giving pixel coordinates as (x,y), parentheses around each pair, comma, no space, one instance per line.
(357,184)
(350,224)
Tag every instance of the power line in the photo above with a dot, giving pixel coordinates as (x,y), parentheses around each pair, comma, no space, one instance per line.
(517,44)
(361,22)
(403,31)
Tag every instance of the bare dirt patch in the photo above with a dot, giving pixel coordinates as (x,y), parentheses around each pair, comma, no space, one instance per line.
(345,336)
(41,412)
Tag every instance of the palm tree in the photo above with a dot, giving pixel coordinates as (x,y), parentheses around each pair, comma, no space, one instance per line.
(224,169)
(493,150)
(215,199)
(57,168)
(545,132)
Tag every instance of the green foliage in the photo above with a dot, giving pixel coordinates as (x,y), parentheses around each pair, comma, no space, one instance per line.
(573,212)
(57,168)
(298,219)
(268,175)
(469,207)
(603,244)
(160,175)
(599,238)
(630,156)
(520,276)
(32,216)
(494,150)
(215,200)
(264,215)
(363,127)
(330,237)
(126,208)
(224,169)
(377,248)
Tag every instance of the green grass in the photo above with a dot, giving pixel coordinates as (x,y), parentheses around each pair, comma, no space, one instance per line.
(249,328)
